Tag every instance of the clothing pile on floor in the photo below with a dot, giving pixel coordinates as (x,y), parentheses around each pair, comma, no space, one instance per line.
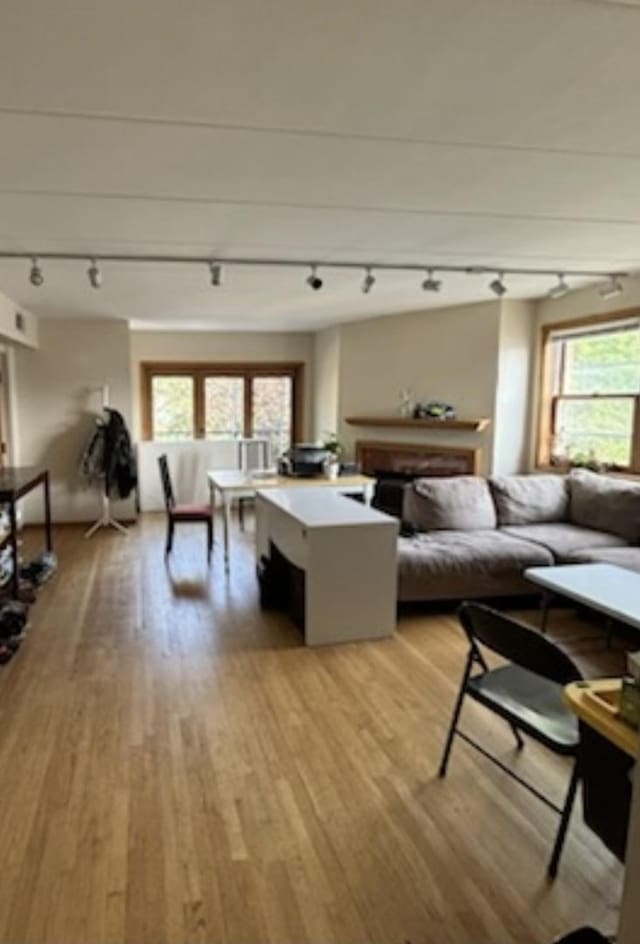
(14,614)
(14,620)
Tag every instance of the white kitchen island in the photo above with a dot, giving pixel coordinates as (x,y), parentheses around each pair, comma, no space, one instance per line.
(344,555)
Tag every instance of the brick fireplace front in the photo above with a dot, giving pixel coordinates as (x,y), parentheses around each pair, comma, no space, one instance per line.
(411,460)
(393,464)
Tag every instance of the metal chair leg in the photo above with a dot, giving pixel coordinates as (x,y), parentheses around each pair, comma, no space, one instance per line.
(209,538)
(545,604)
(169,543)
(517,736)
(558,846)
(444,763)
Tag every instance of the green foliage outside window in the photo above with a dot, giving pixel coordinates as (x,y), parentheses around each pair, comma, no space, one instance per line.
(597,430)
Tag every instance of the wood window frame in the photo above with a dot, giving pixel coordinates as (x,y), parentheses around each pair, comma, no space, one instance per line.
(199,370)
(548,400)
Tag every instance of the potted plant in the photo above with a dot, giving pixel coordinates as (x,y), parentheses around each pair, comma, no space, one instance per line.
(333,447)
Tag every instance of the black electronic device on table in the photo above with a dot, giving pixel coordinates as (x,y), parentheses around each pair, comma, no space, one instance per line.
(304,460)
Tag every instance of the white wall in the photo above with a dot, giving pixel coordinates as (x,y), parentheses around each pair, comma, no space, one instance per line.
(56,404)
(516,345)
(221,347)
(326,382)
(448,354)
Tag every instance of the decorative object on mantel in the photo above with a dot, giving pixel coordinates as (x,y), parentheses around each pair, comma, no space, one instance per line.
(471,425)
(434,410)
(406,403)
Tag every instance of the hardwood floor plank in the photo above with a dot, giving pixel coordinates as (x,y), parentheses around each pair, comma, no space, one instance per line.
(175,766)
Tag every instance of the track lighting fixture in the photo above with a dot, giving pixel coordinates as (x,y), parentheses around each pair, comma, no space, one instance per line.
(35,275)
(610,285)
(369,280)
(611,289)
(430,284)
(497,286)
(94,274)
(216,273)
(314,281)
(560,289)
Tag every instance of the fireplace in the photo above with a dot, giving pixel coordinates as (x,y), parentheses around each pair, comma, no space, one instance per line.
(393,464)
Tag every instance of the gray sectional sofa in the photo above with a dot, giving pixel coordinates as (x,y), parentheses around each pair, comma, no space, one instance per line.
(473,537)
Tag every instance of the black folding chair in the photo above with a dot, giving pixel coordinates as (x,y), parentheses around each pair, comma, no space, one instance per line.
(527,693)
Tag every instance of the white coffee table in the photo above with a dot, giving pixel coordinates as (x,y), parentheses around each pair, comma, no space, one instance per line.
(606,588)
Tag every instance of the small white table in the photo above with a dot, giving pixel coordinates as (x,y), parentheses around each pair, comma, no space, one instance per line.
(606,588)
(346,552)
(232,483)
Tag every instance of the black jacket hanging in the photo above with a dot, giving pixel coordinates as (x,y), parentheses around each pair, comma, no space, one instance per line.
(120,469)
(109,455)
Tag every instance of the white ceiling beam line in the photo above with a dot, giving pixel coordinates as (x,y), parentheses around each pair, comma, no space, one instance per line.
(285,263)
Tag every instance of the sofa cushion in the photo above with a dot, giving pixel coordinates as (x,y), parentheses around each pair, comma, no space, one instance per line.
(627,557)
(459,503)
(606,504)
(454,565)
(563,538)
(530,499)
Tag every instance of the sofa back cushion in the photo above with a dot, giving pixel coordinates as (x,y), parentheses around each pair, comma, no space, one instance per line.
(530,499)
(605,503)
(460,503)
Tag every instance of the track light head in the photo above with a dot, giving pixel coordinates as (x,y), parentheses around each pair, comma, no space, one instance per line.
(314,281)
(497,286)
(94,274)
(35,274)
(215,270)
(612,288)
(430,284)
(369,281)
(560,289)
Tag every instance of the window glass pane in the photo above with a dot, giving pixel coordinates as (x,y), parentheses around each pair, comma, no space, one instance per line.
(598,429)
(604,362)
(272,407)
(172,408)
(224,407)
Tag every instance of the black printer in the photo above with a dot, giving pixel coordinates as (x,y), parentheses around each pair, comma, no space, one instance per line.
(304,460)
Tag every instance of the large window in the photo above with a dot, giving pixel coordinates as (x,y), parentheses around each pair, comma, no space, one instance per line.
(590,411)
(222,401)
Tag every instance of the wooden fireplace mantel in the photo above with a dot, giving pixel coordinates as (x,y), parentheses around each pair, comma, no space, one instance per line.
(406,422)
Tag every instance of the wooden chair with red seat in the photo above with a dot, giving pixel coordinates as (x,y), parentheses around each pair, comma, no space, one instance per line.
(178,514)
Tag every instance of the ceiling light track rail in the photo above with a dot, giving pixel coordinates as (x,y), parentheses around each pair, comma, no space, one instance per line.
(283,263)
(216,264)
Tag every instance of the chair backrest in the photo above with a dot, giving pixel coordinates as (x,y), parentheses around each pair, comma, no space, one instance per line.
(167,488)
(517,642)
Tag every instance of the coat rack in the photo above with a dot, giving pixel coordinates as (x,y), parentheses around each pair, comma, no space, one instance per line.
(106,520)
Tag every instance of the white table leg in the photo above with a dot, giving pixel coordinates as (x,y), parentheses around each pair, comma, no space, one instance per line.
(226,499)
(212,502)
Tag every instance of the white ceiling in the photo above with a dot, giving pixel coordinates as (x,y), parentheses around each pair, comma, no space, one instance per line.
(452,131)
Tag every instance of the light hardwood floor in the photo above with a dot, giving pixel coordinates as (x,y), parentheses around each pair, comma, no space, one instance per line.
(175,766)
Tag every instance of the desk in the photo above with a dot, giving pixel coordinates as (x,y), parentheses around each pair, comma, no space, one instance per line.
(14,484)
(627,741)
(232,483)
(335,559)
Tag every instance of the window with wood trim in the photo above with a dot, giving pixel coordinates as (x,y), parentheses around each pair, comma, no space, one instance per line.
(222,401)
(590,404)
